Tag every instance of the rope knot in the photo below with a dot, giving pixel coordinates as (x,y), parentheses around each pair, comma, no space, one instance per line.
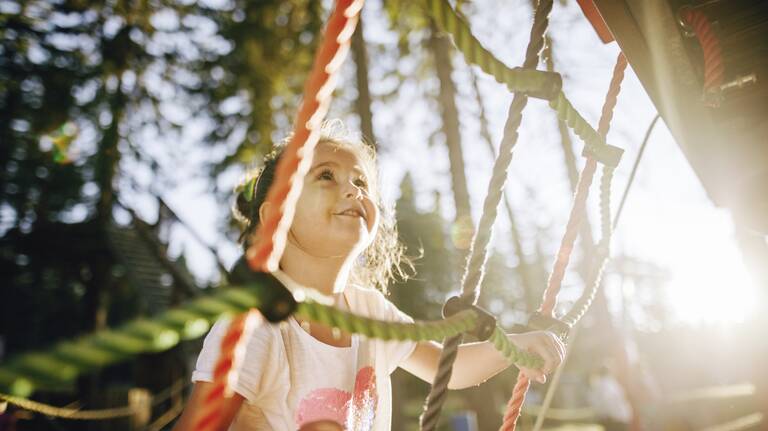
(553,85)
(486,322)
(276,302)
(606,154)
(542,322)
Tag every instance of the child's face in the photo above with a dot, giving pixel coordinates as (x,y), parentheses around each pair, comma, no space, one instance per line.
(335,214)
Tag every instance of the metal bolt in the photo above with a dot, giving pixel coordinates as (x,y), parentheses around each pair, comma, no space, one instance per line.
(740,82)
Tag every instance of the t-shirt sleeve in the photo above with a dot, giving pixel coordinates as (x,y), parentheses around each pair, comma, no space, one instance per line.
(258,372)
(393,353)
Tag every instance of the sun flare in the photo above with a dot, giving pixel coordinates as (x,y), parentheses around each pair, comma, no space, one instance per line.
(710,284)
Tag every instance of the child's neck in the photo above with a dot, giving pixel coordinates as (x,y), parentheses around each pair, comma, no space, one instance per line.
(328,275)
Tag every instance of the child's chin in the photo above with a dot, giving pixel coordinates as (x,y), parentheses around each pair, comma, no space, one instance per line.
(343,246)
(352,237)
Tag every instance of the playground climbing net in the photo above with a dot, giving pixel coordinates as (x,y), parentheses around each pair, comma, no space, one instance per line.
(462,313)
(274,302)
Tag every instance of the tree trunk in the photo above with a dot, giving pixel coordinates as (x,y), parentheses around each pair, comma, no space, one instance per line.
(109,156)
(106,168)
(441,50)
(363,102)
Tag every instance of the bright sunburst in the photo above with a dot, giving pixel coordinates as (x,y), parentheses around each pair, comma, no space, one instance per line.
(710,283)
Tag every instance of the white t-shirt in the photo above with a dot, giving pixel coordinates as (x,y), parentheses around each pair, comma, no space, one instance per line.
(289,378)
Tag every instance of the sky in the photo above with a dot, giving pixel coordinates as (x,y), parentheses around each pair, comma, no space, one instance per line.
(668,220)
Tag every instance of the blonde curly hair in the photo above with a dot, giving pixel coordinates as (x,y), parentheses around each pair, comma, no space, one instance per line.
(384,260)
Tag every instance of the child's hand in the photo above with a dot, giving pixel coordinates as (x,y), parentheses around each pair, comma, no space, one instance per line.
(544,344)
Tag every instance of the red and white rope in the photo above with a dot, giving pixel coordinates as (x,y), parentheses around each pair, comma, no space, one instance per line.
(264,254)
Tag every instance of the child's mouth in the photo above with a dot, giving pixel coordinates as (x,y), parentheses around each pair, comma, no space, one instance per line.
(351,213)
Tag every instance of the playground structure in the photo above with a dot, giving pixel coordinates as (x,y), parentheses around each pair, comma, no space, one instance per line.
(275,303)
(708,85)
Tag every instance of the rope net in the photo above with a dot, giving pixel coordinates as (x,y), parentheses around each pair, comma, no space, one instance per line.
(478,254)
(264,254)
(526,81)
(576,217)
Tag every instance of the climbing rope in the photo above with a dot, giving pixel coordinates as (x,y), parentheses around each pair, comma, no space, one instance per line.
(478,255)
(264,254)
(553,385)
(696,21)
(593,281)
(550,394)
(534,83)
(606,224)
(67,413)
(294,163)
(385,330)
(167,417)
(225,371)
(549,300)
(77,414)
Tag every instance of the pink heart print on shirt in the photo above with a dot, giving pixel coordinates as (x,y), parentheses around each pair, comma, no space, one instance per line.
(355,411)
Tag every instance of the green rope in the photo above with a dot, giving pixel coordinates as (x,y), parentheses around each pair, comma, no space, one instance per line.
(417,331)
(517,79)
(385,330)
(593,143)
(581,306)
(513,354)
(68,359)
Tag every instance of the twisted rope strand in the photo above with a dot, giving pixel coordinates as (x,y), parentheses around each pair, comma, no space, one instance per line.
(474,271)
(516,79)
(515,404)
(436,397)
(710,46)
(578,211)
(612,96)
(77,414)
(67,413)
(563,256)
(581,305)
(293,165)
(225,370)
(525,79)
(386,330)
(576,217)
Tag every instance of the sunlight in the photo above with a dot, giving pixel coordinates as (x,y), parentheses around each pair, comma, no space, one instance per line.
(710,284)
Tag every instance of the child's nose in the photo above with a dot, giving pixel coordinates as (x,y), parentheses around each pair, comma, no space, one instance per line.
(352,191)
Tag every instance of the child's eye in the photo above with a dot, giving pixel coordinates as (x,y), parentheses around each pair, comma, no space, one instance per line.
(362,184)
(326,174)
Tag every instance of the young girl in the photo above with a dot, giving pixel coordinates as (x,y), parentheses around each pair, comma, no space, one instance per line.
(304,375)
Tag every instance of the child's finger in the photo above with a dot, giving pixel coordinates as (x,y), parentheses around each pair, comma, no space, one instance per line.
(556,350)
(533,374)
(561,348)
(546,352)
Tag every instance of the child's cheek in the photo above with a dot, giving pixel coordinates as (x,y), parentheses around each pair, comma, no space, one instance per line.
(373,220)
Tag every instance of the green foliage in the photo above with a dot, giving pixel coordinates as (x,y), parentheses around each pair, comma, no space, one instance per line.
(254,87)
(109,73)
(424,235)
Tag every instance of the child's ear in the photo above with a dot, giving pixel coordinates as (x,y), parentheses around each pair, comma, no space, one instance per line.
(265,211)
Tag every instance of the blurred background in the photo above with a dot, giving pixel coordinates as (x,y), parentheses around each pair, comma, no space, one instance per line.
(125,125)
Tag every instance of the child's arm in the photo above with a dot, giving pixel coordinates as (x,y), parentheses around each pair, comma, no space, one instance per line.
(477,362)
(196,406)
